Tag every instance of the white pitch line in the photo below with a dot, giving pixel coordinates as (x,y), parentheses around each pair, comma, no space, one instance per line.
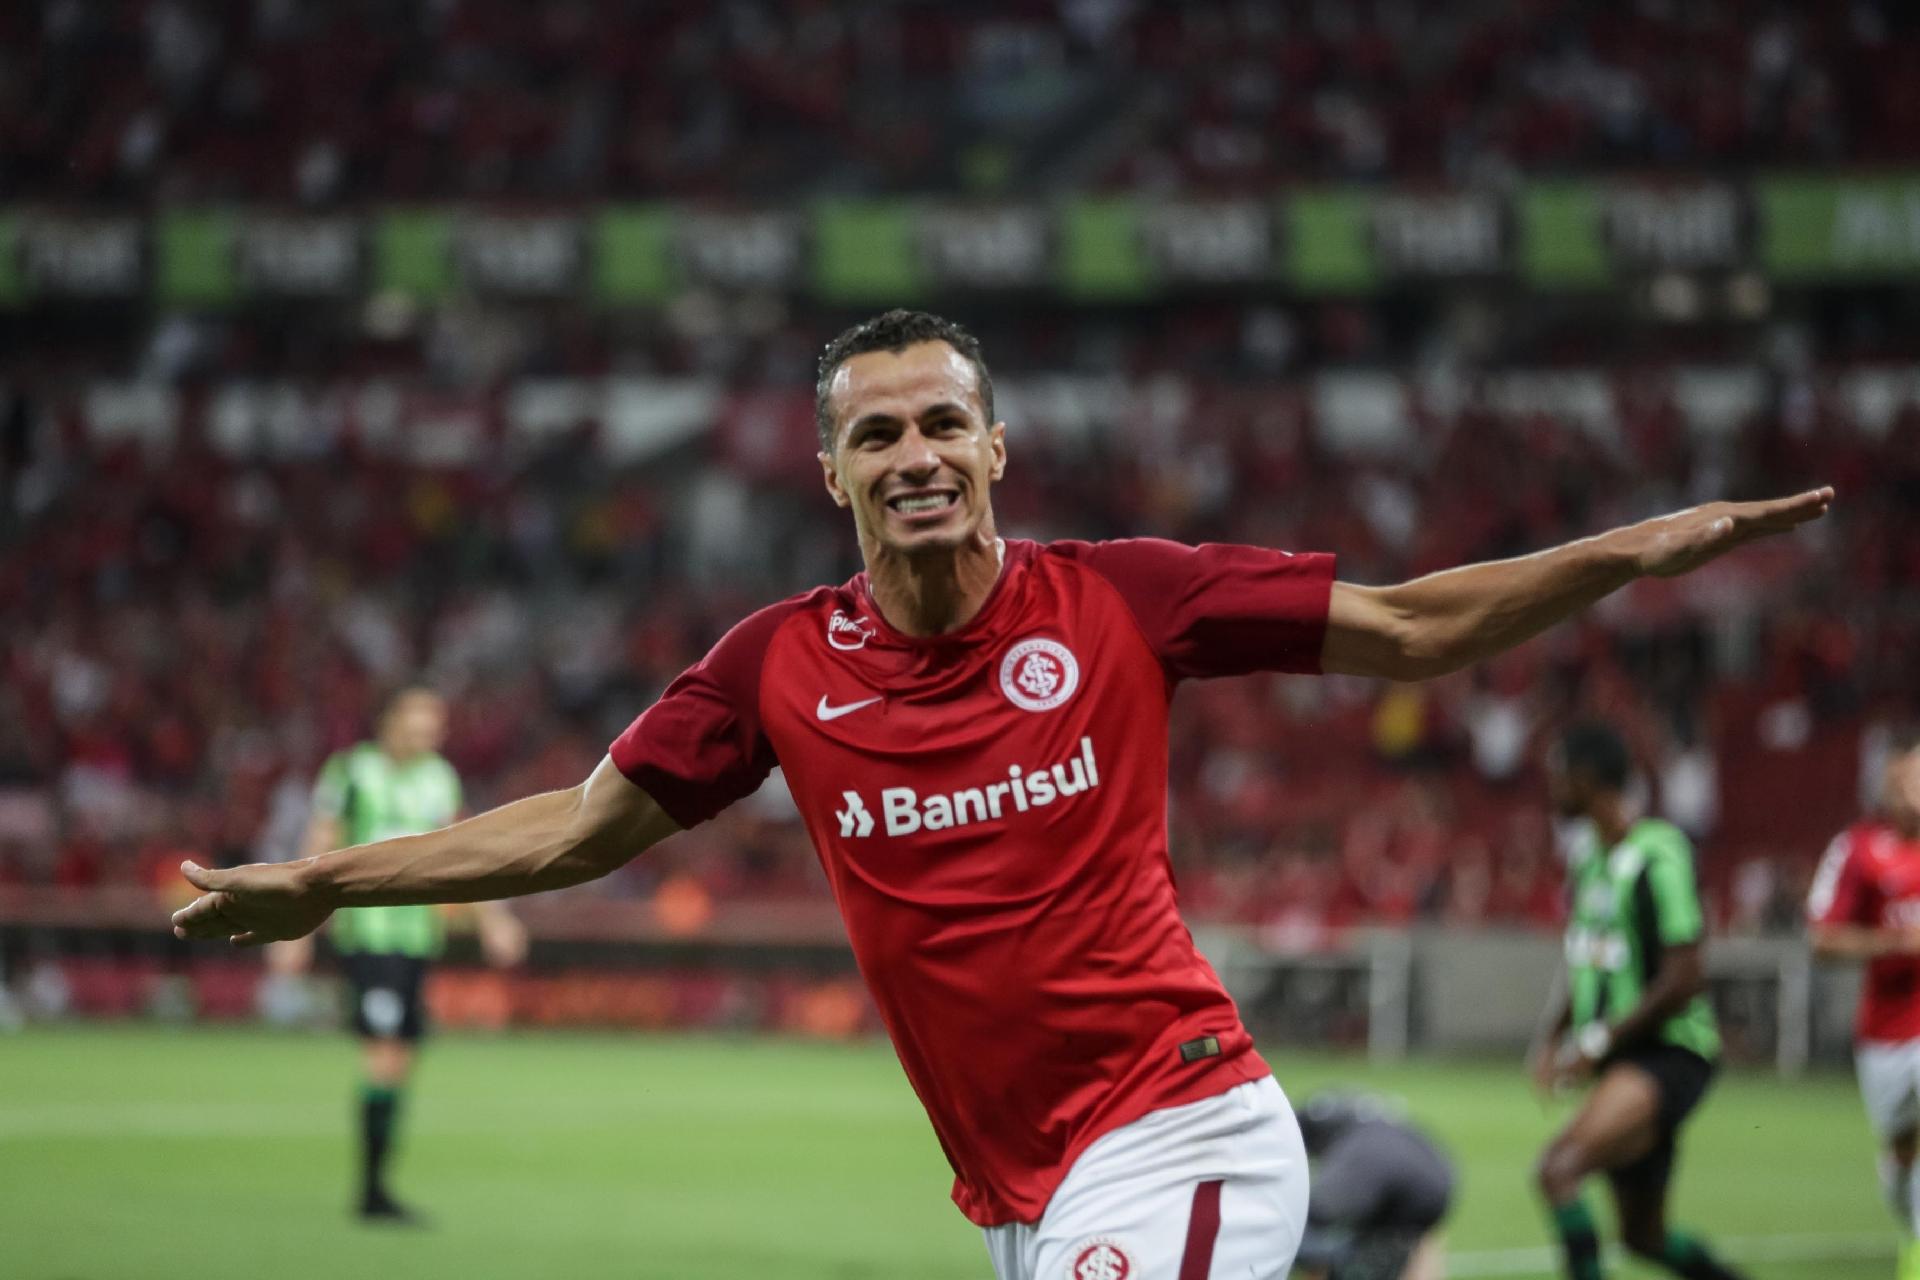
(1486,1264)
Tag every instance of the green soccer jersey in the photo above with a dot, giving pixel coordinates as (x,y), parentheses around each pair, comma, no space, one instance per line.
(375,798)
(1630,903)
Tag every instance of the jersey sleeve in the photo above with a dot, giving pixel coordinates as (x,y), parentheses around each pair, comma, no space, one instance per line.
(1676,900)
(333,789)
(1839,892)
(1219,609)
(702,745)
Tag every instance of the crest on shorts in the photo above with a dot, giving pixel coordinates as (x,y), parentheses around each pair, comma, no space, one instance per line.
(1039,675)
(1100,1258)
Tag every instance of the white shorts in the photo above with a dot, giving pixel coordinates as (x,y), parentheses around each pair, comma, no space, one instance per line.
(1890,1085)
(1213,1188)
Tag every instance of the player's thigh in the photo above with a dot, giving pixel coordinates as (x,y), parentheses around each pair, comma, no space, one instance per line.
(1619,1122)
(1217,1188)
(1889,1075)
(1010,1249)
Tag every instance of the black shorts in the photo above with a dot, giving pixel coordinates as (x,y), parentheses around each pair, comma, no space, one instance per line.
(1682,1077)
(383,994)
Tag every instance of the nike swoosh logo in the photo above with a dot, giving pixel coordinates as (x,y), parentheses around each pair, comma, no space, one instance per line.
(826,712)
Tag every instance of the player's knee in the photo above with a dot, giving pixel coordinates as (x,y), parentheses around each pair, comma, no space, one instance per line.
(1902,1147)
(1556,1174)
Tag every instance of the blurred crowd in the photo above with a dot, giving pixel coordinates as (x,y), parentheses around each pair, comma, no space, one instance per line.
(187,632)
(303,101)
(187,629)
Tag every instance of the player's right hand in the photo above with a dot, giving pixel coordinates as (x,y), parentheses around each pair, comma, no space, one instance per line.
(1543,1065)
(249,906)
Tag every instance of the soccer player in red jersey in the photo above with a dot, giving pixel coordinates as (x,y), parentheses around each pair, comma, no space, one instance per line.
(1865,905)
(975,732)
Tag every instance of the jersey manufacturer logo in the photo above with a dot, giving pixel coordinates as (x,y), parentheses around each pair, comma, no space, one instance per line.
(904,810)
(1039,675)
(848,633)
(1100,1259)
(826,712)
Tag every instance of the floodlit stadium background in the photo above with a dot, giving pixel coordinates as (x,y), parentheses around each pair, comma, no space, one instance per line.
(343,342)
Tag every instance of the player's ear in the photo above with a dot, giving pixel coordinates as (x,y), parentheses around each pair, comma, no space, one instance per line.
(832,476)
(997,442)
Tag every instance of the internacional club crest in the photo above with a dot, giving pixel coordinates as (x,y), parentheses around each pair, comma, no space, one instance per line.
(1100,1259)
(1039,675)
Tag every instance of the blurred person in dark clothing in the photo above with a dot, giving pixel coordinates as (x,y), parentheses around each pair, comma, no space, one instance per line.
(1381,1189)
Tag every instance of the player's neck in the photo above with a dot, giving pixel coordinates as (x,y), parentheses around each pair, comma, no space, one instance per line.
(932,594)
(1610,819)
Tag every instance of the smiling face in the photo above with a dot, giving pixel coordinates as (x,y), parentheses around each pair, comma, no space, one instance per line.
(913,454)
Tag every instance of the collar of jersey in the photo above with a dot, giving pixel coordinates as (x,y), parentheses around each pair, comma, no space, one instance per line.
(1011,556)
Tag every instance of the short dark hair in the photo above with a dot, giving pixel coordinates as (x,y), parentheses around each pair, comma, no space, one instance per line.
(1596,750)
(895,331)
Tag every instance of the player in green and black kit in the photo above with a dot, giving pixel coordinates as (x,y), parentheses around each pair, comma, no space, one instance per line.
(1635,1019)
(393,786)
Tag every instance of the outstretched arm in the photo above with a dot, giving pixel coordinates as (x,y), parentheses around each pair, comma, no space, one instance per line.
(1861,941)
(543,842)
(1542,1056)
(1444,621)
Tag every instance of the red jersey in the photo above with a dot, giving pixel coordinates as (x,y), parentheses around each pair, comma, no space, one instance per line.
(990,808)
(1870,875)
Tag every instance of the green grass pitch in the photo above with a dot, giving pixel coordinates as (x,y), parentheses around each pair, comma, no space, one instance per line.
(224,1155)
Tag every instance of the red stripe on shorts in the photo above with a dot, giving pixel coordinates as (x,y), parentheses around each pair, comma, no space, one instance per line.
(1202,1227)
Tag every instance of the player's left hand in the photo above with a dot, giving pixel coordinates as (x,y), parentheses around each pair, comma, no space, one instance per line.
(250,906)
(1672,545)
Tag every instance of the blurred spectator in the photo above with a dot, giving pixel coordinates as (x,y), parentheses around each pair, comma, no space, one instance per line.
(319,103)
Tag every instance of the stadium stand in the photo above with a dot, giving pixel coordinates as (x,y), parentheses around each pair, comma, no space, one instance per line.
(284,101)
(229,525)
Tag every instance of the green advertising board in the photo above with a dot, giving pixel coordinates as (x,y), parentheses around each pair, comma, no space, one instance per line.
(1817,228)
(863,253)
(1554,235)
(413,253)
(631,252)
(194,258)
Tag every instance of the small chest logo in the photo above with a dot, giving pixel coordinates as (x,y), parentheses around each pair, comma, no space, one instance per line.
(848,633)
(1039,675)
(1100,1259)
